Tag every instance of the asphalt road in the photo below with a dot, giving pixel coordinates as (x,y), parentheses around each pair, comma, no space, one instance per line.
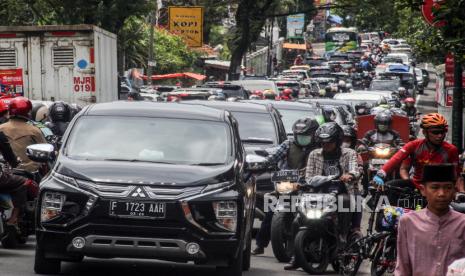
(19,262)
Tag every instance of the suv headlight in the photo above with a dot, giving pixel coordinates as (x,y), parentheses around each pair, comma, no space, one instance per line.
(52,204)
(226,214)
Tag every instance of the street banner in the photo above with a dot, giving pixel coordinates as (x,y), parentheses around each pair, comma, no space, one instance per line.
(11,80)
(449,72)
(187,22)
(295,25)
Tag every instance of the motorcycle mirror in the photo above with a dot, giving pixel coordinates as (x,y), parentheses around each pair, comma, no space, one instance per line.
(41,153)
(255,163)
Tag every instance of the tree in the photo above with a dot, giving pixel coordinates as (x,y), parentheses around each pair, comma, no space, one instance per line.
(251,16)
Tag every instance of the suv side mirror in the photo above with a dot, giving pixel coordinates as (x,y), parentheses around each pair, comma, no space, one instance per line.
(41,153)
(255,163)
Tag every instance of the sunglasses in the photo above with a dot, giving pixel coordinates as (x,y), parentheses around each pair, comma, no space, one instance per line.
(437,132)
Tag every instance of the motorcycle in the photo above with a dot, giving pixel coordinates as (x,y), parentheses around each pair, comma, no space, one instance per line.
(323,231)
(11,236)
(282,238)
(378,155)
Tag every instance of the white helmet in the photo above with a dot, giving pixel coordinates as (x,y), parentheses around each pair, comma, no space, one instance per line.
(341,83)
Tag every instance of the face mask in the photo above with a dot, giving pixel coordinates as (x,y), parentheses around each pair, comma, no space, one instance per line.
(346,145)
(304,140)
(383,127)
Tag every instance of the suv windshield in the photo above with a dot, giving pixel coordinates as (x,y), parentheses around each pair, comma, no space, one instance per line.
(256,127)
(158,140)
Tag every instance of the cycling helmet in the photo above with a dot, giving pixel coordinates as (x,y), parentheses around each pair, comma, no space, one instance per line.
(287,92)
(329,132)
(432,120)
(383,121)
(20,107)
(39,112)
(60,112)
(410,100)
(303,130)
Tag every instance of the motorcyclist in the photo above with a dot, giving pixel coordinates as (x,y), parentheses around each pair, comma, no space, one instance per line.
(409,107)
(291,155)
(75,109)
(382,132)
(430,150)
(332,159)
(362,109)
(341,86)
(60,116)
(350,137)
(299,60)
(20,133)
(39,112)
(365,64)
(3,112)
(402,93)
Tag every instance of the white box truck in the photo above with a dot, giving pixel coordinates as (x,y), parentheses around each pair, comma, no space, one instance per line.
(72,63)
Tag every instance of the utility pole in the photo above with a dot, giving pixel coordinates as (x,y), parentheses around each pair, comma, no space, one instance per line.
(150,61)
(457,106)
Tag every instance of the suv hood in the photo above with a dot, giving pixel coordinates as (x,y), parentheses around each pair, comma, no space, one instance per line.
(145,173)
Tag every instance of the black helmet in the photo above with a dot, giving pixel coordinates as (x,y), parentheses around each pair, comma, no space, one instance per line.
(329,132)
(304,130)
(60,112)
(383,121)
(349,131)
(328,89)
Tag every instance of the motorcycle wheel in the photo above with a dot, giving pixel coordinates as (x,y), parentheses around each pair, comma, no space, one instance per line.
(380,264)
(10,238)
(282,241)
(308,254)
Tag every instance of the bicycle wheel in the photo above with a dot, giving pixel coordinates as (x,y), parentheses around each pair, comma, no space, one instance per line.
(351,259)
(385,258)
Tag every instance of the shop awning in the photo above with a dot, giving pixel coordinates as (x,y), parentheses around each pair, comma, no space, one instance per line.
(295,46)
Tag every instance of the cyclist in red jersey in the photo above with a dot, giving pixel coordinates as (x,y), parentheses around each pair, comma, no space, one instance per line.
(430,150)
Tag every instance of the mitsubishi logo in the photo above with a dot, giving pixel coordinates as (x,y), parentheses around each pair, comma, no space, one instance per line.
(138,192)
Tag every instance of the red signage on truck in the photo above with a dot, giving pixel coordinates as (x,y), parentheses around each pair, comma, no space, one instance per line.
(84,84)
(11,81)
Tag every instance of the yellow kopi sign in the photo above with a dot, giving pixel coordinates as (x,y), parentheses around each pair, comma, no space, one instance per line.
(187,22)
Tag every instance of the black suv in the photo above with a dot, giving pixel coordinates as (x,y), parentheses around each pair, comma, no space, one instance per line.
(148,180)
(261,128)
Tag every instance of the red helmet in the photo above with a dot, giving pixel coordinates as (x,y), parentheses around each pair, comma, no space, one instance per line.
(20,106)
(3,106)
(410,100)
(287,92)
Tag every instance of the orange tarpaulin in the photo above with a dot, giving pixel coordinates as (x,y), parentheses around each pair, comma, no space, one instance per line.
(295,46)
(177,75)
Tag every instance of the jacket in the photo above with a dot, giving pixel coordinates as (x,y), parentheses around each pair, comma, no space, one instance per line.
(21,134)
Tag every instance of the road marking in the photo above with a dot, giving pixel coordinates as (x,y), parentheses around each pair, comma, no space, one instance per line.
(417,100)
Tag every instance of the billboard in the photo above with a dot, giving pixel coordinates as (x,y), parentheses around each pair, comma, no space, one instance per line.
(187,22)
(295,25)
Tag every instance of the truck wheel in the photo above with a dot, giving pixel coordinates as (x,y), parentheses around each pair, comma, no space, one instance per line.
(281,237)
(45,266)
(235,266)
(309,255)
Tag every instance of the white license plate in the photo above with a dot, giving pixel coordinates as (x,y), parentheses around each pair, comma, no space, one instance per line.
(135,209)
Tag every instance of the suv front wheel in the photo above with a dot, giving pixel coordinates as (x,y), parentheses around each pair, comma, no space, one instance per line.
(45,266)
(235,265)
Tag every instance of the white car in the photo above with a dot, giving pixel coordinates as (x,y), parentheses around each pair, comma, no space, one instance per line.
(405,57)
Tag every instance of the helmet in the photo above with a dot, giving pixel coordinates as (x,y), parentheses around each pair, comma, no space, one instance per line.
(268,94)
(328,89)
(39,112)
(303,130)
(60,112)
(329,114)
(21,107)
(382,101)
(329,132)
(401,89)
(287,92)
(341,83)
(410,100)
(361,108)
(349,86)
(433,120)
(383,120)
(349,131)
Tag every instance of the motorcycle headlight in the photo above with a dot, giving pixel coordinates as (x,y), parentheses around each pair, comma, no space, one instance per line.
(382,152)
(286,187)
(52,204)
(314,214)
(226,214)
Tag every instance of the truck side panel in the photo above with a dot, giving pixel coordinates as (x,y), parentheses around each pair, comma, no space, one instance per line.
(106,71)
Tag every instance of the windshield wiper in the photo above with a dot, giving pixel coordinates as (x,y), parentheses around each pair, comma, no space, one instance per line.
(257,140)
(206,164)
(136,160)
